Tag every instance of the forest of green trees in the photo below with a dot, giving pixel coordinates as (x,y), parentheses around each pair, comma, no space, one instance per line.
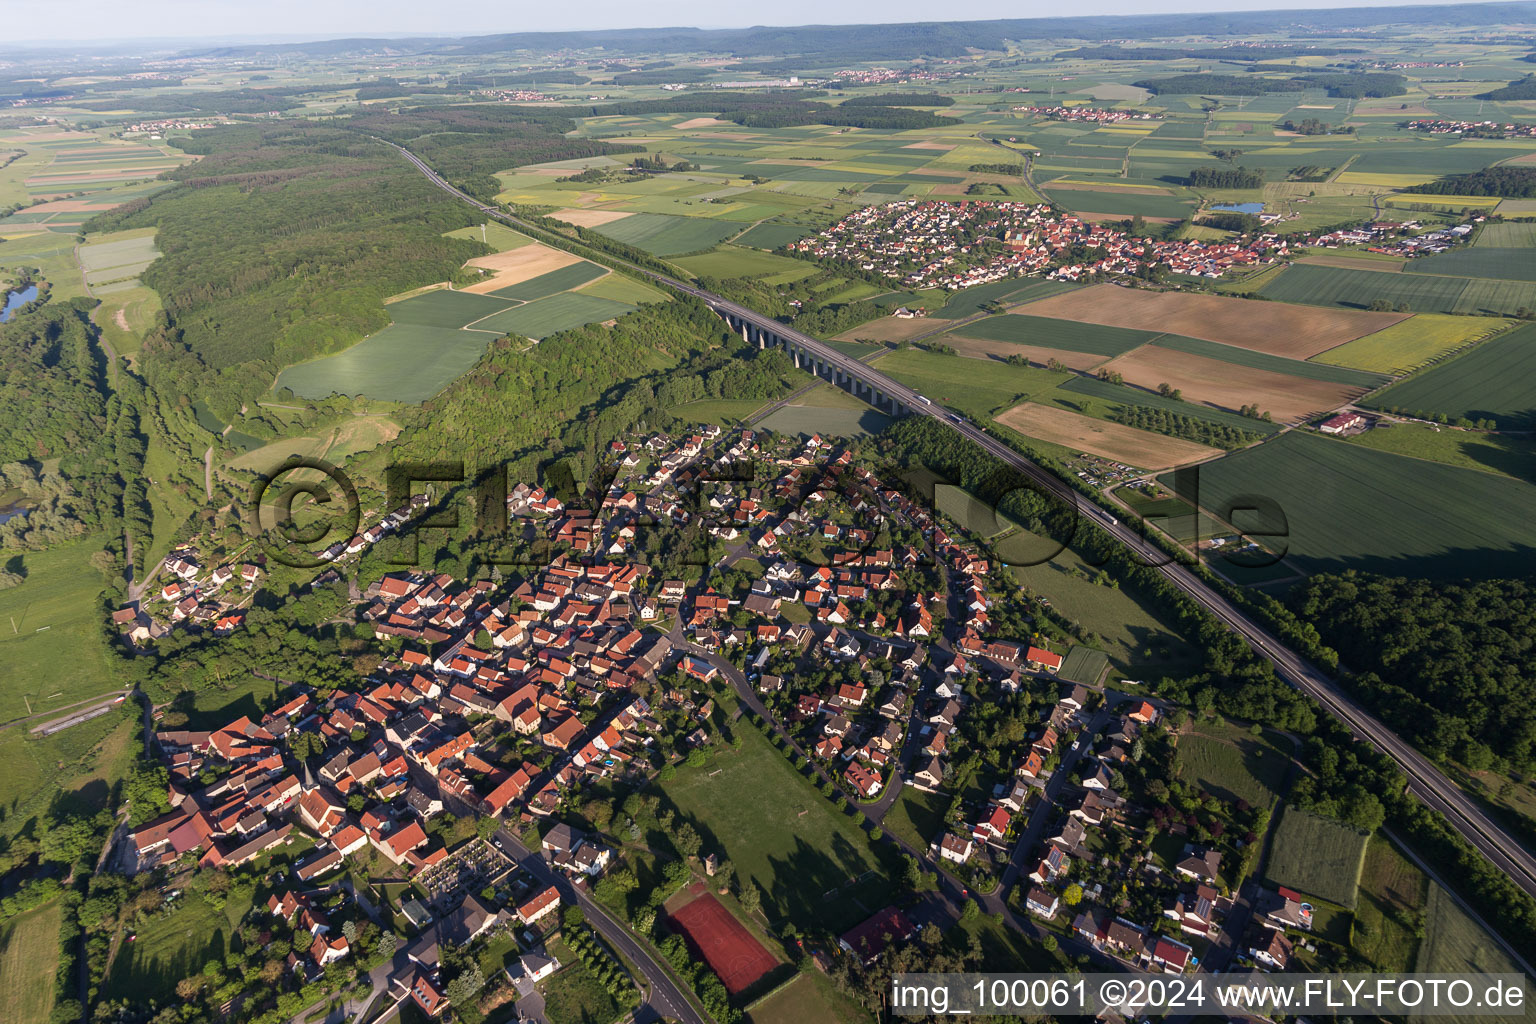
(1351,85)
(1510,182)
(1525,89)
(1226,177)
(1448,666)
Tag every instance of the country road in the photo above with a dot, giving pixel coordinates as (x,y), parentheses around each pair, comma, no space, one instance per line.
(1424,779)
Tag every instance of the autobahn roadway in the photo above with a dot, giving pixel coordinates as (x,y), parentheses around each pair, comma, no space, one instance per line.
(1425,780)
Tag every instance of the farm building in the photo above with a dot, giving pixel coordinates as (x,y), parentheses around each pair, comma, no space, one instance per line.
(1342,423)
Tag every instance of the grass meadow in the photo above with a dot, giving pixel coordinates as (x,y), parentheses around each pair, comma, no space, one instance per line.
(807,999)
(733,261)
(1506,454)
(50,632)
(1136,640)
(813,863)
(1454,942)
(1229,762)
(1317,857)
(542,317)
(1011,290)
(916,817)
(172,946)
(955,381)
(575,993)
(1389,911)
(29,950)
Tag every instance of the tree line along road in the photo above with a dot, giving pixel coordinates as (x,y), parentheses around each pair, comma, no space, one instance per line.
(1425,780)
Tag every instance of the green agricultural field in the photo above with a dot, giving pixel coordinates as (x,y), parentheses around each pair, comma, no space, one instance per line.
(812,862)
(1139,643)
(1357,289)
(623,288)
(29,952)
(772,235)
(1064,334)
(50,632)
(1121,395)
(117,257)
(1121,203)
(1347,506)
(1422,293)
(733,261)
(402,363)
(1454,942)
(1317,857)
(442,308)
(80,763)
(1510,455)
(1509,234)
(1229,762)
(1272,363)
(1479,261)
(52,253)
(662,234)
(1013,290)
(543,317)
(952,380)
(1409,344)
(1492,381)
(552,283)
(173,946)
(1388,912)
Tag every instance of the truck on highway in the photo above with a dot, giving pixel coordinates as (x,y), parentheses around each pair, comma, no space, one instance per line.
(924,400)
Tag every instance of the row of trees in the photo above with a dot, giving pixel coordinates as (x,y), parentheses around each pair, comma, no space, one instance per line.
(1161,421)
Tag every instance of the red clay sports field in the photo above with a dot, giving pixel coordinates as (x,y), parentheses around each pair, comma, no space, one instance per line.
(721,941)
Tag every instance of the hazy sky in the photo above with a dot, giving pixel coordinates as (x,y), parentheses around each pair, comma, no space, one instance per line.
(79,20)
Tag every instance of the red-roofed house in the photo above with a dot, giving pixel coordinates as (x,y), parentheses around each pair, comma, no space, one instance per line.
(540,906)
(1040,659)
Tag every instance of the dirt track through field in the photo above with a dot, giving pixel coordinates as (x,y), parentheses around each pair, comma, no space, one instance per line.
(1297,332)
(1229,386)
(1133,447)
